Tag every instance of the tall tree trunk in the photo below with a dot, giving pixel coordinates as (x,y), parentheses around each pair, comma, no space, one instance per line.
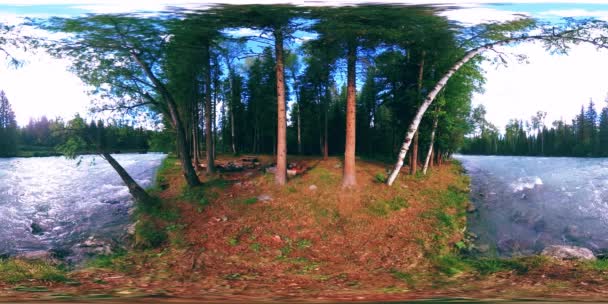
(429,155)
(281,147)
(325,122)
(213,121)
(325,137)
(231,106)
(195,139)
(232,136)
(349,176)
(414,156)
(139,194)
(208,122)
(214,109)
(182,144)
(298,114)
(299,129)
(438,158)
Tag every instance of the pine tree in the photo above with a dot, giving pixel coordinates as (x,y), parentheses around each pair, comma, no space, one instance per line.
(603,133)
(8,128)
(591,129)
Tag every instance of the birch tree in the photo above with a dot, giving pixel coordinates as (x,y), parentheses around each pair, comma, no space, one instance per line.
(557,39)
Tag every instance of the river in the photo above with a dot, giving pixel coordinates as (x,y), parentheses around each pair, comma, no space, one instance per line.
(527,203)
(54,204)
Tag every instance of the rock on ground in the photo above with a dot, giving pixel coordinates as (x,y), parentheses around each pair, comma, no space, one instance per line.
(264,198)
(565,252)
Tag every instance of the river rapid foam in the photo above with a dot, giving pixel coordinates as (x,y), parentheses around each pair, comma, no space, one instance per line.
(527,203)
(53,203)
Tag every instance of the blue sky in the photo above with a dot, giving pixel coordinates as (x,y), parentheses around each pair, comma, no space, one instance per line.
(556,84)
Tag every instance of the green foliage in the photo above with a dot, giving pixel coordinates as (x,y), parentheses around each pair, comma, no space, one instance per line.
(8,128)
(450,265)
(117,261)
(380,178)
(486,266)
(250,201)
(15,271)
(149,234)
(599,265)
(383,208)
(403,276)
(587,135)
(197,196)
(303,244)
(157,209)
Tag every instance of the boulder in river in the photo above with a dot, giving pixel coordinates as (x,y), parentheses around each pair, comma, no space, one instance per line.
(574,234)
(514,247)
(36,229)
(91,247)
(471,208)
(38,255)
(565,252)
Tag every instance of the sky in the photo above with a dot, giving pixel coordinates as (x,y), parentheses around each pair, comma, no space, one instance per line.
(558,85)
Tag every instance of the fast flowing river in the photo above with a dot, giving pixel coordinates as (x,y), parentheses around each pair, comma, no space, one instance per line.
(53,203)
(526,203)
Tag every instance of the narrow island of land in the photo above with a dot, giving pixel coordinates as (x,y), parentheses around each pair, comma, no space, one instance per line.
(239,238)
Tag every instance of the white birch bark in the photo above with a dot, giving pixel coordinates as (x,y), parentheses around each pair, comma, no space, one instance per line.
(430,153)
(427,102)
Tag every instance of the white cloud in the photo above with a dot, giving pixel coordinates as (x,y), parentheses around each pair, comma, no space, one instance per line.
(603,15)
(477,15)
(241,32)
(558,85)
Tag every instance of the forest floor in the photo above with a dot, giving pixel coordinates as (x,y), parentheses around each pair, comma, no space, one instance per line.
(241,238)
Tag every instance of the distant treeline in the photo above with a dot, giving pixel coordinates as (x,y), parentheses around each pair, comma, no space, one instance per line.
(42,137)
(586,135)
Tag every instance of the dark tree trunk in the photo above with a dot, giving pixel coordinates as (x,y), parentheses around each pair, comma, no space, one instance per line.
(139,194)
(232,136)
(281,147)
(182,143)
(414,155)
(208,124)
(325,127)
(195,139)
(349,176)
(299,130)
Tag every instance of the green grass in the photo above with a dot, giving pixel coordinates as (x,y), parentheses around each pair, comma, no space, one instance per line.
(323,176)
(149,234)
(383,208)
(303,244)
(16,271)
(403,276)
(250,201)
(116,261)
(451,264)
(600,265)
(486,266)
(380,178)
